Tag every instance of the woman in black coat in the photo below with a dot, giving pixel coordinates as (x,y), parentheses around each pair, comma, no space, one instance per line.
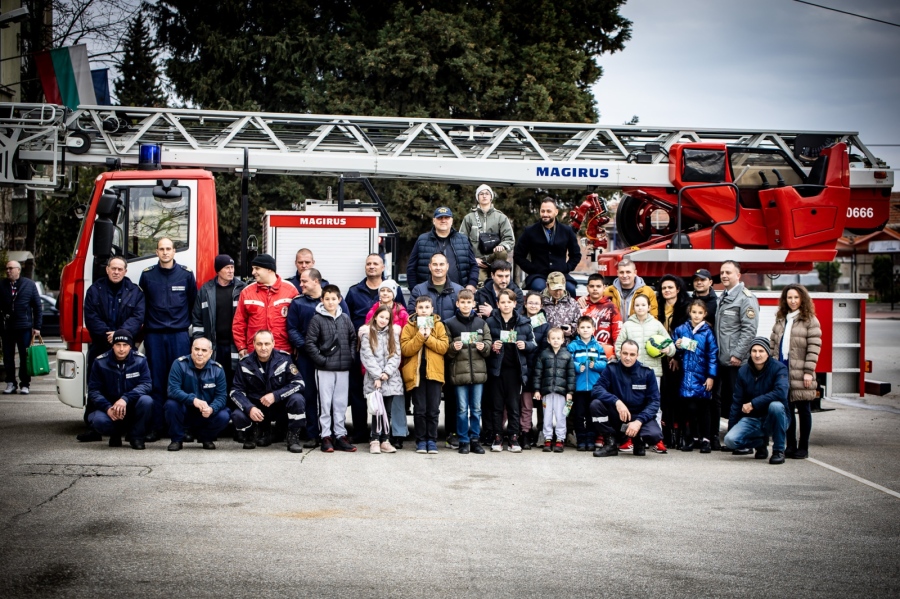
(673,301)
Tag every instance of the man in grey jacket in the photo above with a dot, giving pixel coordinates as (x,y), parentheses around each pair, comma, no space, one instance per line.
(485,222)
(737,319)
(213,314)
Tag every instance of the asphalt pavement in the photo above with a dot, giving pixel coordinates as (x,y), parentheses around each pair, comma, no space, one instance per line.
(86,520)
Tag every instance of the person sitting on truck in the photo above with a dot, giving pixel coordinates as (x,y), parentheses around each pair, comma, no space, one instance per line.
(760,405)
(213,314)
(267,387)
(489,231)
(119,389)
(300,313)
(263,305)
(197,394)
(443,239)
(501,278)
(626,287)
(548,246)
(360,300)
(169,293)
(21,313)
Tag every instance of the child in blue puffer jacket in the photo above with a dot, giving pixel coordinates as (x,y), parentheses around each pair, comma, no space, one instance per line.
(697,353)
(590,360)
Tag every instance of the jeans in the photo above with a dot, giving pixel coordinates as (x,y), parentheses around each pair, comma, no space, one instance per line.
(753,432)
(399,425)
(468,415)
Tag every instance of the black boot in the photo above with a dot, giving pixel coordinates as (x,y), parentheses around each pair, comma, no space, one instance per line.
(293,442)
(640,448)
(610,447)
(250,436)
(264,434)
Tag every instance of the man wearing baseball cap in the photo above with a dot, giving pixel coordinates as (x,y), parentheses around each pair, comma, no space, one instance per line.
(462,268)
(214,312)
(760,405)
(119,393)
(703,289)
(263,306)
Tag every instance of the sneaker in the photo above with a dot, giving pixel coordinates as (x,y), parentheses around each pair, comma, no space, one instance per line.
(115,441)
(310,443)
(174,446)
(705,446)
(514,446)
(628,445)
(687,445)
(463,448)
(548,446)
(398,443)
(475,447)
(89,437)
(420,447)
(558,448)
(497,445)
(660,447)
(327,445)
(800,454)
(10,388)
(343,444)
(431,446)
(590,446)
(24,390)
(374,446)
(386,447)
(599,442)
(208,445)
(526,441)
(452,441)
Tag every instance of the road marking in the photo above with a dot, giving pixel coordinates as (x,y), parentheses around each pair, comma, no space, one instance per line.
(856,478)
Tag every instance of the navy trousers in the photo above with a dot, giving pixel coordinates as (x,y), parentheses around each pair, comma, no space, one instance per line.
(179,415)
(607,422)
(293,409)
(162,349)
(137,420)
(12,340)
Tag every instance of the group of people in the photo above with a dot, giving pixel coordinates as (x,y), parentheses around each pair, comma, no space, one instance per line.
(625,368)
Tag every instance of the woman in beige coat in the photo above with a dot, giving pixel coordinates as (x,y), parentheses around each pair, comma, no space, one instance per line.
(796,340)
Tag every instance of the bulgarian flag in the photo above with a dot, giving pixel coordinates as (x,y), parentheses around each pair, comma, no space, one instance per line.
(66,76)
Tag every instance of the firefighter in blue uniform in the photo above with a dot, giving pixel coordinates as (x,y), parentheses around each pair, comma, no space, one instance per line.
(197,394)
(169,292)
(267,386)
(119,393)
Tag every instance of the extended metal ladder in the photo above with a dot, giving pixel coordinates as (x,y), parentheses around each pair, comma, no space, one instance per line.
(532,154)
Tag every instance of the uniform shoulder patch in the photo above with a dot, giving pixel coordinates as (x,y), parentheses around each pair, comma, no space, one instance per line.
(293,369)
(182,358)
(214,363)
(747,292)
(284,352)
(103,355)
(151,267)
(751,313)
(187,268)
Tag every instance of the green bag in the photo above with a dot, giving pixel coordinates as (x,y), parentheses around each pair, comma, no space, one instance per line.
(36,357)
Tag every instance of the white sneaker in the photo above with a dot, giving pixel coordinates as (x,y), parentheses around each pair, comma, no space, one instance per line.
(24,390)
(10,388)
(374,446)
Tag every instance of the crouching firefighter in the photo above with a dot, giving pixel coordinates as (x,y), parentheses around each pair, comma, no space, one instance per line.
(267,387)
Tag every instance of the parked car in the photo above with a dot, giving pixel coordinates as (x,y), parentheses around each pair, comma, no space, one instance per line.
(50,315)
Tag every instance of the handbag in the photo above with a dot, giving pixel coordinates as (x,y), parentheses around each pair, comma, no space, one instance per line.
(37,362)
(487,242)
(375,407)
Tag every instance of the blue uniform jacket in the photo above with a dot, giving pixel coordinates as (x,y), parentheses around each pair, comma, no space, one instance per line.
(700,364)
(27,311)
(635,386)
(100,303)
(360,300)
(444,302)
(112,380)
(585,354)
(252,380)
(170,295)
(187,383)
(760,388)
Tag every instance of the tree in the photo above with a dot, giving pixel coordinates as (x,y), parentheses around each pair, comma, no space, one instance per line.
(829,273)
(139,82)
(517,59)
(883,277)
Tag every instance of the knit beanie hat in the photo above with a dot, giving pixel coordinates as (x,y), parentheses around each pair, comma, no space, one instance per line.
(264,261)
(763,342)
(484,188)
(389,284)
(223,260)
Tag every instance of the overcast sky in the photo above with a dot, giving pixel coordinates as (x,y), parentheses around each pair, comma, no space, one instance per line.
(759,64)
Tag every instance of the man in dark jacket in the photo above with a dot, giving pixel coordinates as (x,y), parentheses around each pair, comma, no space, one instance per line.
(267,386)
(626,399)
(546,247)
(169,292)
(213,314)
(360,299)
(462,268)
(20,311)
(197,394)
(119,393)
(303,260)
(703,289)
(112,303)
(760,405)
(501,278)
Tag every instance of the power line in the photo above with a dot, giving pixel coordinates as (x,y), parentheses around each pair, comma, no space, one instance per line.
(852,14)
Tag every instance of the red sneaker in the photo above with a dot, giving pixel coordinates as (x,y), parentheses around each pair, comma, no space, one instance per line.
(599,441)
(626,446)
(660,447)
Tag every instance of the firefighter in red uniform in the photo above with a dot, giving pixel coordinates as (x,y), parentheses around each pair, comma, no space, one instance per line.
(263,305)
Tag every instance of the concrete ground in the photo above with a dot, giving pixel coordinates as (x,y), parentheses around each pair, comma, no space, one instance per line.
(87,520)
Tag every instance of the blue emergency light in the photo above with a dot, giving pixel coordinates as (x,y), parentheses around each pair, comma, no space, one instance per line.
(149,157)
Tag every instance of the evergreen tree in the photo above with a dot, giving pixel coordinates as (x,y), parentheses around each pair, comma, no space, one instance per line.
(139,84)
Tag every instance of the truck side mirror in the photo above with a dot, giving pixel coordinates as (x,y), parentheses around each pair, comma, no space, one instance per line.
(104,233)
